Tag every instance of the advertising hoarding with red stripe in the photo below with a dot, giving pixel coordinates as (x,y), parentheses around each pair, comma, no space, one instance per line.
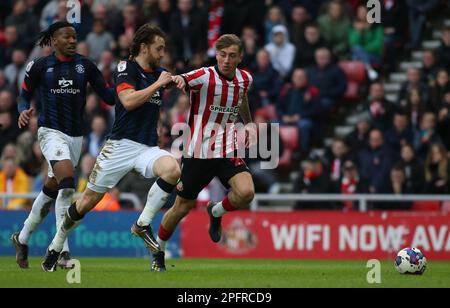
(318,235)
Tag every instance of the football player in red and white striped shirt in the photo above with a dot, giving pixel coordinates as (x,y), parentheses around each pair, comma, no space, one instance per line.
(218,95)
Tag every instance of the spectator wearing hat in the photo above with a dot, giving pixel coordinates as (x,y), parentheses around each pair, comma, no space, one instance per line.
(282,52)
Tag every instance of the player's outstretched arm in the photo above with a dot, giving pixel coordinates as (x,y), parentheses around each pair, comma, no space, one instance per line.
(132,99)
(180,83)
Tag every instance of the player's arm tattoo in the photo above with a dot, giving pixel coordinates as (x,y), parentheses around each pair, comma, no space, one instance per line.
(244,111)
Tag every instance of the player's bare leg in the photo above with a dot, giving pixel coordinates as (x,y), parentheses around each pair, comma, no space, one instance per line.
(72,219)
(241,195)
(172,218)
(39,210)
(168,172)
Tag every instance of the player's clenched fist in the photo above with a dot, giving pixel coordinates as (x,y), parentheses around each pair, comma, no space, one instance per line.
(24,117)
(165,78)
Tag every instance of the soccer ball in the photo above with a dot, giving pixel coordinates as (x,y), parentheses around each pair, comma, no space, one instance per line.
(410,261)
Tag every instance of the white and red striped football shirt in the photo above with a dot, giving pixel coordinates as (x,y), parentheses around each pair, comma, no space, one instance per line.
(215,104)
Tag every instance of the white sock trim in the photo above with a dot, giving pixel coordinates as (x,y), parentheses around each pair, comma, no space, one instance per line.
(162,244)
(218,210)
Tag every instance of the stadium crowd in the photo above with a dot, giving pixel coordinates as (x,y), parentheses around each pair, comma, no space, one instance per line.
(294,49)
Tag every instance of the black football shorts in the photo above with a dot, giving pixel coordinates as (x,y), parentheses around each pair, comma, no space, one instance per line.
(196,174)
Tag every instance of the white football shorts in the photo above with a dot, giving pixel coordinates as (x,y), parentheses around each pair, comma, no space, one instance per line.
(56,146)
(117,158)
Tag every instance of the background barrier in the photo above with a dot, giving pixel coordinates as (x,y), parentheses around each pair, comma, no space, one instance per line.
(100,234)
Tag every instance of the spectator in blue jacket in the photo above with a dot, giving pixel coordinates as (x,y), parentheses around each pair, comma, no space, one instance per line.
(300,106)
(400,133)
(266,82)
(328,78)
(375,163)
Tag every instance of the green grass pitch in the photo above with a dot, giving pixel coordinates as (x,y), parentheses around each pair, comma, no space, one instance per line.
(213,273)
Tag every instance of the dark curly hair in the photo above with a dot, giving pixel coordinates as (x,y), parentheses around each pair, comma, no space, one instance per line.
(145,34)
(45,37)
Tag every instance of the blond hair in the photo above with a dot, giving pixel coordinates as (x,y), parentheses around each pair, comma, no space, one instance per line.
(228,40)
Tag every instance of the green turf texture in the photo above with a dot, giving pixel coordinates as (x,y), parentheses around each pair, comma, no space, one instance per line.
(213,273)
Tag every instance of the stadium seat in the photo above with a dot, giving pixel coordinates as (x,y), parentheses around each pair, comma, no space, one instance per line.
(290,138)
(426,206)
(356,76)
(446,207)
(354,70)
(269,112)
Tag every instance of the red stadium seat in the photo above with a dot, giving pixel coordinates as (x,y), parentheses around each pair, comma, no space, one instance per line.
(356,76)
(352,92)
(354,70)
(426,206)
(269,112)
(289,136)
